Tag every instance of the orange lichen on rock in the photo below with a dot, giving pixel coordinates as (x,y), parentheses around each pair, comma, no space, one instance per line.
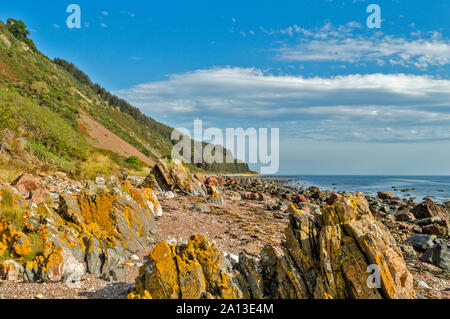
(173,174)
(22,245)
(326,256)
(193,271)
(7,233)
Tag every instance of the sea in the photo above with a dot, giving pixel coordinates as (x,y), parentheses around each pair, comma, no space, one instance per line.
(417,187)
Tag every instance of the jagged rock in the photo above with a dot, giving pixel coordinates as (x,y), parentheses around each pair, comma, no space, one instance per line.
(116,274)
(22,245)
(171,175)
(146,198)
(216,198)
(94,256)
(112,260)
(89,232)
(325,256)
(150,182)
(428,209)
(31,189)
(193,271)
(125,219)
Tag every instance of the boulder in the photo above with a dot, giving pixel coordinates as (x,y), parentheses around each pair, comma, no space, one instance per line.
(428,209)
(435,229)
(421,242)
(404,216)
(22,245)
(215,198)
(11,270)
(300,199)
(31,189)
(171,175)
(235,196)
(252,196)
(201,208)
(191,271)
(385,195)
(438,255)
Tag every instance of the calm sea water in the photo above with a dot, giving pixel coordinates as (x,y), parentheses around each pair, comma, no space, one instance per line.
(436,187)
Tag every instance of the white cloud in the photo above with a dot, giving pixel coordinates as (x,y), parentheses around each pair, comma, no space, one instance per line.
(103,25)
(352,107)
(343,43)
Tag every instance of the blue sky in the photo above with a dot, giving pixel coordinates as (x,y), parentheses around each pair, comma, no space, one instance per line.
(347,99)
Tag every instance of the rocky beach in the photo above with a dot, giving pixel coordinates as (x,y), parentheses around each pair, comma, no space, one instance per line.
(176,234)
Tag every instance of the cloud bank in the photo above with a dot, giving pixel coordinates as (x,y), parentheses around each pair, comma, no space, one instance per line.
(368,108)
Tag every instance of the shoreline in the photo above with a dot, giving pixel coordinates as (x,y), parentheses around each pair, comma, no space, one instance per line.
(255,213)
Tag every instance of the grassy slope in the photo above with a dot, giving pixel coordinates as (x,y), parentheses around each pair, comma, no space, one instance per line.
(40,103)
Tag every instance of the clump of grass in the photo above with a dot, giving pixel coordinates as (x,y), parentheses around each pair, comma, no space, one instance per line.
(142,172)
(97,164)
(8,175)
(6,255)
(36,247)
(10,210)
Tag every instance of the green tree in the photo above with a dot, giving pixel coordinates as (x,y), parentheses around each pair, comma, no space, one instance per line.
(19,30)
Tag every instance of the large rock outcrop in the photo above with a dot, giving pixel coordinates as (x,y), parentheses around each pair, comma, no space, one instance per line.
(88,232)
(172,175)
(326,255)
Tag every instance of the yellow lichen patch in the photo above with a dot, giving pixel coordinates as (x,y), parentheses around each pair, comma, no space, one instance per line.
(192,281)
(7,234)
(127,187)
(213,265)
(163,283)
(3,249)
(150,197)
(98,216)
(22,245)
(54,261)
(354,269)
(348,207)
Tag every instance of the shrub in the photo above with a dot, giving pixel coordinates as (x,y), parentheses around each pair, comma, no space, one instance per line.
(133,161)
